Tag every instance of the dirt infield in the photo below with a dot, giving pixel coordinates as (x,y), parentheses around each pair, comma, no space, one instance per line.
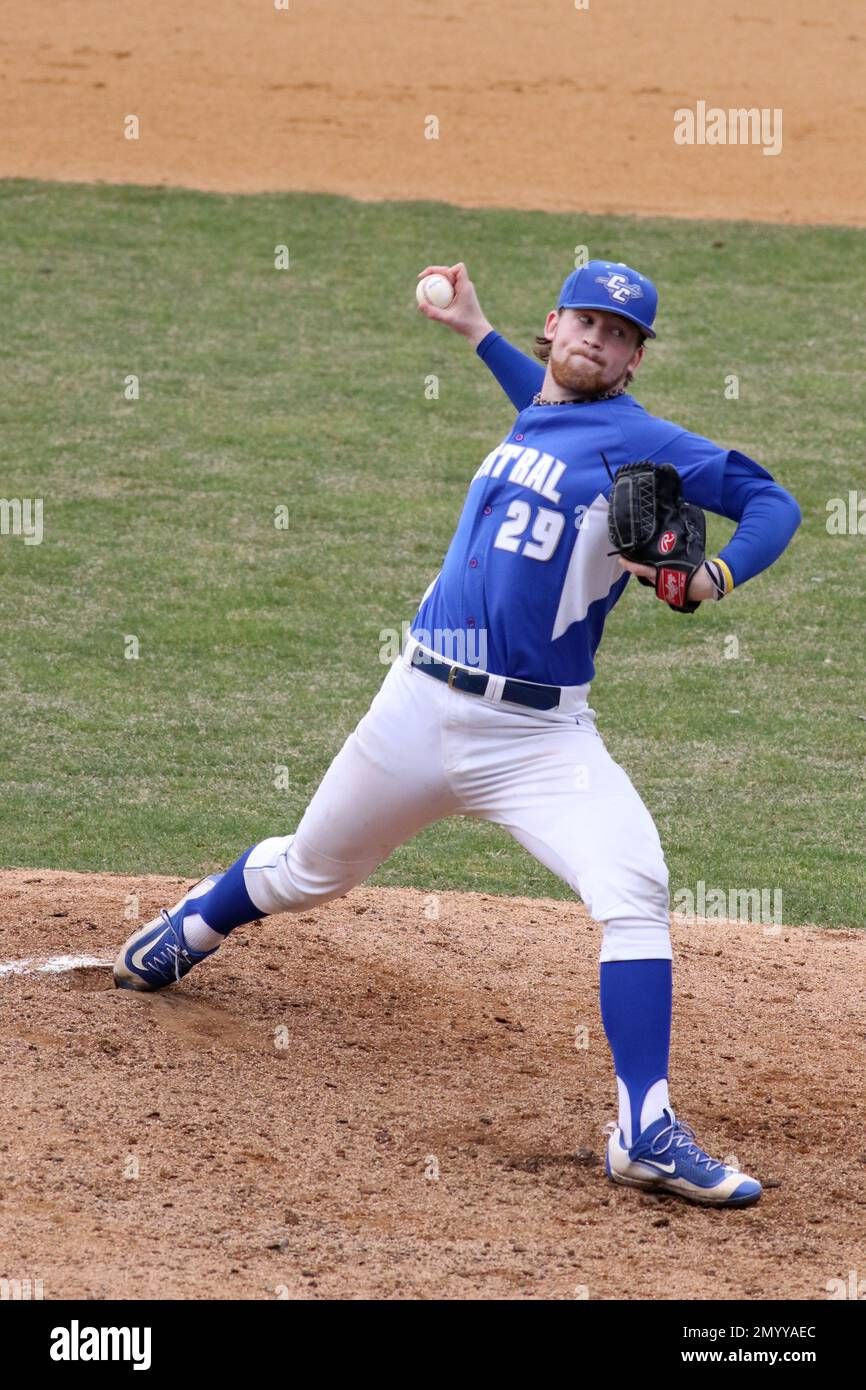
(548,107)
(369,1100)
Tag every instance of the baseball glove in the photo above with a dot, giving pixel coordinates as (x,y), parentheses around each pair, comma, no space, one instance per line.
(650,522)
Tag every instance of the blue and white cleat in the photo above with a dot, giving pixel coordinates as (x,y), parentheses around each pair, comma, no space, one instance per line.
(666,1158)
(157,955)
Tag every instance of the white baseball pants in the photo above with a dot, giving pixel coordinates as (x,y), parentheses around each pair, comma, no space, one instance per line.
(423,752)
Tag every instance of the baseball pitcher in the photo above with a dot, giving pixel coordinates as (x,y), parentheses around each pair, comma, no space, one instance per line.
(486,712)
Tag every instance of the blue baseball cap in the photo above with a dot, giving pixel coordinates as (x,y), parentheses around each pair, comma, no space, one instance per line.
(614,287)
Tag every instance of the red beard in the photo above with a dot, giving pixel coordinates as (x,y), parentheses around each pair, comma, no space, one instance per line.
(573,372)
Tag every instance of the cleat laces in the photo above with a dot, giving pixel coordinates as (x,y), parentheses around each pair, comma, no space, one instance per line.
(681,1135)
(173,949)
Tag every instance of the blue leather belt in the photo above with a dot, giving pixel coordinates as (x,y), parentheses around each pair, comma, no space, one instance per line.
(476,682)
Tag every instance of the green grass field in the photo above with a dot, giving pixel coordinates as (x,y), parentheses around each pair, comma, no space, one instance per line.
(304,388)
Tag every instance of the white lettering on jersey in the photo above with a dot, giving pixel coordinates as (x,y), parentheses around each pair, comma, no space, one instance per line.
(549,490)
(525,460)
(591,572)
(540,473)
(507,452)
(536,476)
(547,528)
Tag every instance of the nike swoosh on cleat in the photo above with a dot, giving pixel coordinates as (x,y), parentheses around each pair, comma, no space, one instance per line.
(137,960)
(662,1167)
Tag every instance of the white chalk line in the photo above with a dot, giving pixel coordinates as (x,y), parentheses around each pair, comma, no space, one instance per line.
(50,965)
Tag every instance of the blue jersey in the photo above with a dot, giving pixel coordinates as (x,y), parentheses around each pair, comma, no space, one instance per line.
(528,579)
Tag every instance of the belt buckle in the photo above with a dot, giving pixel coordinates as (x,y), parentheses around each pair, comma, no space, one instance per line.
(452,676)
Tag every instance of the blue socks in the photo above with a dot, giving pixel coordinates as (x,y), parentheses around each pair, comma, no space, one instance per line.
(636,1005)
(228,904)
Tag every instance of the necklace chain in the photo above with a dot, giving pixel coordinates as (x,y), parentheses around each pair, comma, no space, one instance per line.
(538,399)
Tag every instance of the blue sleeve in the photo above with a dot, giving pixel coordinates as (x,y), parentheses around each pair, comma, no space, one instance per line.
(733,485)
(518,375)
(700,463)
(768,516)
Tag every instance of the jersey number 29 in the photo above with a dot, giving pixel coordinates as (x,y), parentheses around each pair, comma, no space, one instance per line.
(546,531)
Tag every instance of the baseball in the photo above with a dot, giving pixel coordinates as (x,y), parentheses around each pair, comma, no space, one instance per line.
(436,290)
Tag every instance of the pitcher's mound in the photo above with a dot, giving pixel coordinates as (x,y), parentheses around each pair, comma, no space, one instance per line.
(401,1095)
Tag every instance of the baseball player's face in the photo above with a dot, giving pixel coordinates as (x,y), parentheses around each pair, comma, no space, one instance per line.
(591,350)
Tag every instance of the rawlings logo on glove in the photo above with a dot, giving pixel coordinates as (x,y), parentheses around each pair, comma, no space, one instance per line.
(650,523)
